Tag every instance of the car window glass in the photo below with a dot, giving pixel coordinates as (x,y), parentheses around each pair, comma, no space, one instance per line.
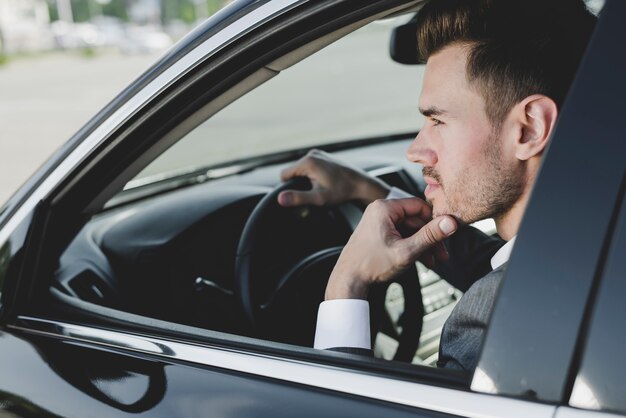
(350,90)
(599,384)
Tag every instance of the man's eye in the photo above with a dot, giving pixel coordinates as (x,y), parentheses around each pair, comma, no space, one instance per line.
(436,122)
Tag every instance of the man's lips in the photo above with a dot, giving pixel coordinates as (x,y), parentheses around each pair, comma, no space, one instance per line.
(431,186)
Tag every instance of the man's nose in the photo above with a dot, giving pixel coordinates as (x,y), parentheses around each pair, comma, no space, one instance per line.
(420,152)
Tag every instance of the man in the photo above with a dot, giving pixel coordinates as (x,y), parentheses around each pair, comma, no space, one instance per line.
(496,75)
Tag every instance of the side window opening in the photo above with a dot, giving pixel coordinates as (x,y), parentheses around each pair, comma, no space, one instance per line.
(171,256)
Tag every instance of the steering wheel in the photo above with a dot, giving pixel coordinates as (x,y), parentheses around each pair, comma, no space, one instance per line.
(280,303)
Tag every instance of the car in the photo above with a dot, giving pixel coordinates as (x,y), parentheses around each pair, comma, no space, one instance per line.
(147,268)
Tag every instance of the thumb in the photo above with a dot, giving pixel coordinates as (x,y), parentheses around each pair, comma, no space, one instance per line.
(432,233)
(297,198)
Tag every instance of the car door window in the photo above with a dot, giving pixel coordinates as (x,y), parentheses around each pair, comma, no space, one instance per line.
(349,90)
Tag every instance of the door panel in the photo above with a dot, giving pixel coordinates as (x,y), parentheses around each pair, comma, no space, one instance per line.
(52,377)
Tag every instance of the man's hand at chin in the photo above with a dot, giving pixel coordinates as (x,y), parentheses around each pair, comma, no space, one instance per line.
(377,251)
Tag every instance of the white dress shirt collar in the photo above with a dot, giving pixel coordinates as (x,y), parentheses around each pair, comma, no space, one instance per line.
(503,254)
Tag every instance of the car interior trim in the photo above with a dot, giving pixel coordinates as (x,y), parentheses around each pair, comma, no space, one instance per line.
(298,54)
(407,393)
(234,31)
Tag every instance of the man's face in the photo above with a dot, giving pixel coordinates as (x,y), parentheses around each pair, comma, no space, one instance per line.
(470,172)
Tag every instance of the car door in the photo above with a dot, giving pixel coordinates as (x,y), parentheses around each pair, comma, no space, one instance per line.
(94,360)
(62,357)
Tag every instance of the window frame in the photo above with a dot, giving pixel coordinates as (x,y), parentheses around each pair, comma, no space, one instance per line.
(102,165)
(67,205)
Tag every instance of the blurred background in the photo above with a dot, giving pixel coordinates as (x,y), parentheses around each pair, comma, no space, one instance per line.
(63,60)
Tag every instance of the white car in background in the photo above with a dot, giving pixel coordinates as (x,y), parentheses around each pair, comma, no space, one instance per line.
(144,40)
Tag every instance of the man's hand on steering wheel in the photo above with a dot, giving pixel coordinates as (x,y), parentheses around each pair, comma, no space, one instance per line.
(334,182)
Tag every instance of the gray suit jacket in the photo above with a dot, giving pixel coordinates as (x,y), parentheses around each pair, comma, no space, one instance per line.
(462,335)
(464,331)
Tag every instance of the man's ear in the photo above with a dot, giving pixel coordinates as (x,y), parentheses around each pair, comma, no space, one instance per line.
(537,115)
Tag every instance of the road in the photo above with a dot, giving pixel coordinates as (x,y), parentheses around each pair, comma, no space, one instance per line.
(46,99)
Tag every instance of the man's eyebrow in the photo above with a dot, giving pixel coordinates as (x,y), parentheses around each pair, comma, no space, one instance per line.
(432,111)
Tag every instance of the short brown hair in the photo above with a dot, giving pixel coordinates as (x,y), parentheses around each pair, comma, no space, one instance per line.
(516,47)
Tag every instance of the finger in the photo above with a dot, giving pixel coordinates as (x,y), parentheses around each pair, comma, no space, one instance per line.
(431,234)
(298,169)
(289,198)
(303,167)
(414,223)
(410,207)
(410,225)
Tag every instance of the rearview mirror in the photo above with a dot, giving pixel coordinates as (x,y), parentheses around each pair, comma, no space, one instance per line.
(403,43)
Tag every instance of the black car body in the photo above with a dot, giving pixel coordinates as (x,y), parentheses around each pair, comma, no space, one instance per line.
(112,301)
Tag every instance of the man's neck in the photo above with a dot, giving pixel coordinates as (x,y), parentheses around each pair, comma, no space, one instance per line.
(508,223)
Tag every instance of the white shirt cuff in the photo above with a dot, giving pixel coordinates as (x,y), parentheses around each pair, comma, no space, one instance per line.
(343,323)
(396,193)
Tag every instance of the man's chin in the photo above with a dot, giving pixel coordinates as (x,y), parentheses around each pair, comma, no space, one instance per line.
(437,208)
(441,211)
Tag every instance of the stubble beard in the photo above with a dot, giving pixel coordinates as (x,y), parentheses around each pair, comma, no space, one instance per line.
(481,195)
